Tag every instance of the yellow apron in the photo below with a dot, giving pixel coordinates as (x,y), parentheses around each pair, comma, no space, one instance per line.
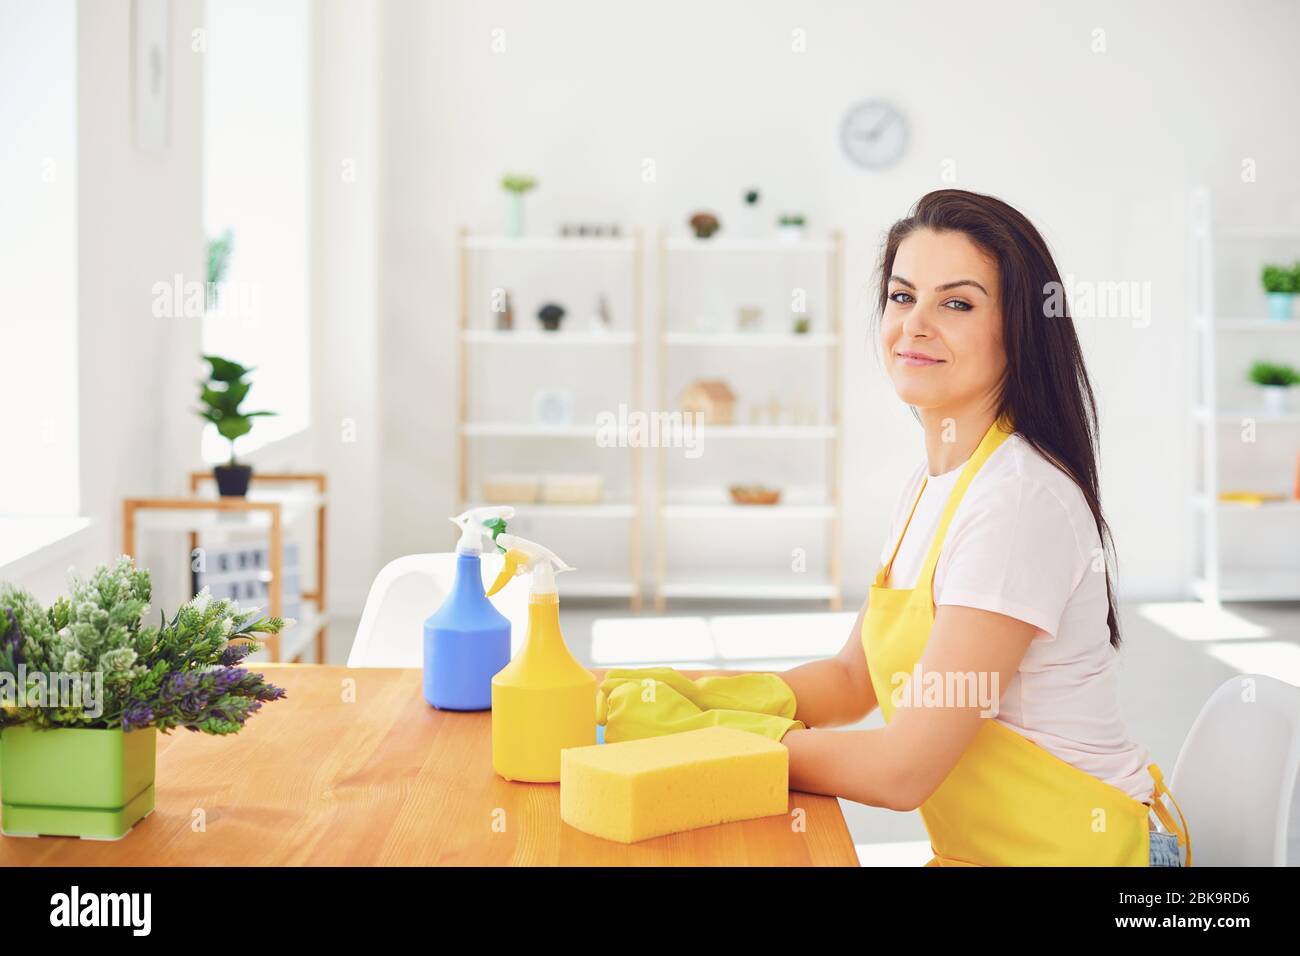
(1007,801)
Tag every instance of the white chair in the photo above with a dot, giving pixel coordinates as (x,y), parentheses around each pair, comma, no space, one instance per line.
(1235,778)
(407,591)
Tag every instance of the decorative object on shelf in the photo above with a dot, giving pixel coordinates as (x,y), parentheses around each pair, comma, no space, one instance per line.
(583,230)
(1275,382)
(775,410)
(752,226)
(1252,499)
(222,394)
(802,323)
(874,135)
(754,495)
(550,315)
(505,316)
(602,320)
(503,488)
(749,318)
(704,224)
(574,489)
(790,227)
(711,398)
(242,574)
(1281,284)
(516,185)
(78,744)
(219,252)
(553,406)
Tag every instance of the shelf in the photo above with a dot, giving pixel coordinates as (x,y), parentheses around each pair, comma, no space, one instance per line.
(1259,415)
(750,589)
(600,510)
(294,506)
(585,339)
(551,243)
(1271,507)
(796,432)
(681,244)
(748,512)
(752,339)
(1246,585)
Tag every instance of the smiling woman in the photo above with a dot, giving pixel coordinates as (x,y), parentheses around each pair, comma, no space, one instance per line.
(995,571)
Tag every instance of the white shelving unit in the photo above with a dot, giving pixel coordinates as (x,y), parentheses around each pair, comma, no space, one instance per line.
(624,344)
(1216,578)
(672,509)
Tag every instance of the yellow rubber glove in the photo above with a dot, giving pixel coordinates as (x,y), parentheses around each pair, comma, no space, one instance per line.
(632,708)
(758,693)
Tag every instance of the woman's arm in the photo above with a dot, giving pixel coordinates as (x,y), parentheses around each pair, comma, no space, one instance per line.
(835,691)
(899,766)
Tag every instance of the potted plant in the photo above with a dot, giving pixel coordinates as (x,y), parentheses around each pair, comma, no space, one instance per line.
(704,224)
(87,686)
(516,185)
(1275,381)
(219,250)
(1281,284)
(550,315)
(221,395)
(790,227)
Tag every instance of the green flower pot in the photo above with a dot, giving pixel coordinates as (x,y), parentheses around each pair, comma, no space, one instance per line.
(82,782)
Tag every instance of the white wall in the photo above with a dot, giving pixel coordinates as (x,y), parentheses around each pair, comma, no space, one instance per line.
(1099,149)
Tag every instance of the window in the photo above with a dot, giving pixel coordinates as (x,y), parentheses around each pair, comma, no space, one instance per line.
(256,185)
(38,257)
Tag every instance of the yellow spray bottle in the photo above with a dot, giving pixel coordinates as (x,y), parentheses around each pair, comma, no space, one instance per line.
(543,700)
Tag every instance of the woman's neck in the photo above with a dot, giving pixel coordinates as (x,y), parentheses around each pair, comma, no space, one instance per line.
(951,436)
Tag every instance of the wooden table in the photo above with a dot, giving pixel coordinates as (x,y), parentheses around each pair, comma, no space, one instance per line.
(354,768)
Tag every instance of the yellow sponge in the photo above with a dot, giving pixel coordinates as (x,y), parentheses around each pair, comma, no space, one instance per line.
(646,788)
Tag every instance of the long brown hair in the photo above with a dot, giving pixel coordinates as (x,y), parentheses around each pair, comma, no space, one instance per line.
(1045,393)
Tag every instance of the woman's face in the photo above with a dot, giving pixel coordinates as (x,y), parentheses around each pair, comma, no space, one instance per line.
(941,331)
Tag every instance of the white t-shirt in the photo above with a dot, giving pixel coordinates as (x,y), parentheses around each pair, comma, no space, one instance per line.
(1023,543)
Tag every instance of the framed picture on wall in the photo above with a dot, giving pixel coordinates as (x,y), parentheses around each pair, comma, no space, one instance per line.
(151,73)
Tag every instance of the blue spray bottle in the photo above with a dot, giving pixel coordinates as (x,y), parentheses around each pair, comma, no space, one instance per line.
(467,640)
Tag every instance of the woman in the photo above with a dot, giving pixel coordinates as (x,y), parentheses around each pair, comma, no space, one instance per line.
(990,637)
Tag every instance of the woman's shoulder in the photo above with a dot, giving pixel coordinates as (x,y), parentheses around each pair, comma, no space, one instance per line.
(1039,482)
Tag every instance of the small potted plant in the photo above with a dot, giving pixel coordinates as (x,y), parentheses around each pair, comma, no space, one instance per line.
(550,315)
(1275,381)
(1281,284)
(221,395)
(516,185)
(790,227)
(704,224)
(87,686)
(219,250)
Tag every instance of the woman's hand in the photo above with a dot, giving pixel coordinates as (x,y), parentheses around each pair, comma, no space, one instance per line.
(836,691)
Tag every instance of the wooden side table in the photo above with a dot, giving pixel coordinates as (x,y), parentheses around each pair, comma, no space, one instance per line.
(262,510)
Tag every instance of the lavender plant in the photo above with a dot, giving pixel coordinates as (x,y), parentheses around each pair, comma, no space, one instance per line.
(184,672)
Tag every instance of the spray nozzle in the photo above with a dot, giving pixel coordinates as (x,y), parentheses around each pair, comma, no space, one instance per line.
(524,556)
(480,524)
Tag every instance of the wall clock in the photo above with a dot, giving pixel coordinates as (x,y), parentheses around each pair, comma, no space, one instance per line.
(874,134)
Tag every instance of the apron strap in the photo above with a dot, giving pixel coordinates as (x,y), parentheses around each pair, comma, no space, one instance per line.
(1162,812)
(997,433)
(883,574)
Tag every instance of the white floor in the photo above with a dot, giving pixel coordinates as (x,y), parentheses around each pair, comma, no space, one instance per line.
(1175,655)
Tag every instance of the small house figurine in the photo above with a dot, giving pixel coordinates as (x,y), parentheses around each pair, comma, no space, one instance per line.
(711,398)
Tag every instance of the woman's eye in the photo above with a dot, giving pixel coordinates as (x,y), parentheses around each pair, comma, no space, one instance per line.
(958,305)
(900,297)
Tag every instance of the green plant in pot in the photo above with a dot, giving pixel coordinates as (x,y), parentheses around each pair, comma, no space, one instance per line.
(1282,285)
(790,227)
(87,685)
(1276,382)
(516,185)
(221,395)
